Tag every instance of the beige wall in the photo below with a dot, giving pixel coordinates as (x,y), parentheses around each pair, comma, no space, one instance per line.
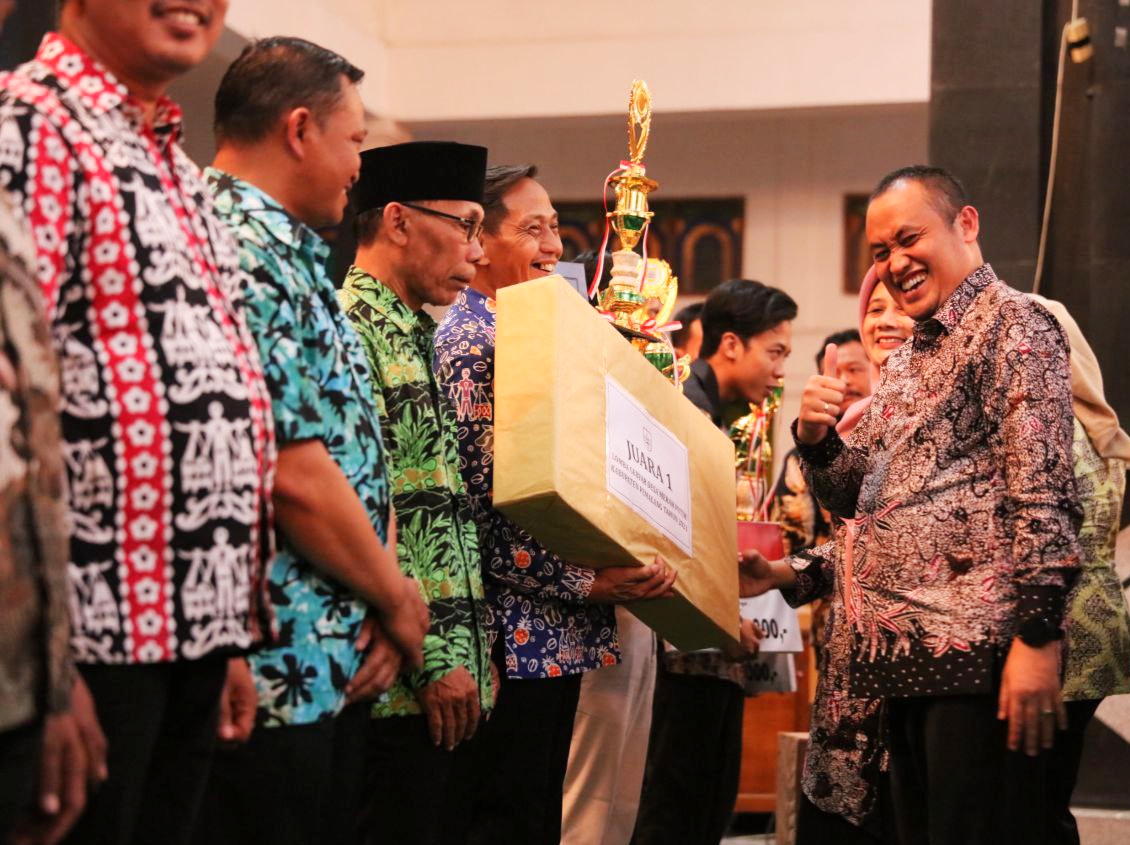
(793,169)
(353,28)
(578,58)
(453,59)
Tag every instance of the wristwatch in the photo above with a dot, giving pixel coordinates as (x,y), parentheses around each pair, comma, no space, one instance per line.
(1037,631)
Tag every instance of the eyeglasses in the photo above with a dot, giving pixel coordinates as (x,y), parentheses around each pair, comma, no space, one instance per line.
(472,226)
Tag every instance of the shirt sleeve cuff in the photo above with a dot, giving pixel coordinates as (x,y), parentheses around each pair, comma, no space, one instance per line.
(1037,601)
(819,454)
(810,581)
(579,580)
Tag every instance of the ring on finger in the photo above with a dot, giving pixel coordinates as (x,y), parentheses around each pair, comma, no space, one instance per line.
(826,407)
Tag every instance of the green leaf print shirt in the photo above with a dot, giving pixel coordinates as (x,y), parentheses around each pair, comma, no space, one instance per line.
(436,539)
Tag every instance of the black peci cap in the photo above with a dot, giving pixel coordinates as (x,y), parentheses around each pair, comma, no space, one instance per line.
(420,170)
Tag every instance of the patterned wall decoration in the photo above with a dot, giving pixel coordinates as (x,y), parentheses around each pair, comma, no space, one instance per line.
(700,238)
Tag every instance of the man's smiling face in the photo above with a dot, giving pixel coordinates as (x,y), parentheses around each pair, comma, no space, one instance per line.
(920,255)
(149,41)
(527,244)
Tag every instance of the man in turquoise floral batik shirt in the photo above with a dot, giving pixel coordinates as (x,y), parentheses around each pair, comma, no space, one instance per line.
(290,124)
(420,216)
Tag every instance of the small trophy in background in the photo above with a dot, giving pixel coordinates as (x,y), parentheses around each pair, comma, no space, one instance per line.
(753,443)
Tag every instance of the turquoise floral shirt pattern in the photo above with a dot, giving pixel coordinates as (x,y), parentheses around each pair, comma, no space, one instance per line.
(320,390)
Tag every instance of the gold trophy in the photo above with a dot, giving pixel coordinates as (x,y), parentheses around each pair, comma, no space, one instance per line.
(640,298)
(660,289)
(629,219)
(753,435)
(753,443)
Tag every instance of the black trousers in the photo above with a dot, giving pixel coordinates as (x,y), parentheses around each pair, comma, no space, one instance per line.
(818,827)
(19,769)
(1063,771)
(289,785)
(160,725)
(415,791)
(521,755)
(953,779)
(693,761)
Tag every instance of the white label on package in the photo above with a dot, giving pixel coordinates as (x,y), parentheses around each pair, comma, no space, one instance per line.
(648,467)
(779,624)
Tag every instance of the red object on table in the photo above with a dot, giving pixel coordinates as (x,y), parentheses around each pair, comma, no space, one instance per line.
(766,537)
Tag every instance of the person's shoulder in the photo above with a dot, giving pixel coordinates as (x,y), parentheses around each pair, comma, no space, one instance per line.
(1013,310)
(460,325)
(33,90)
(695,391)
(1016,327)
(34,112)
(27,84)
(896,360)
(253,243)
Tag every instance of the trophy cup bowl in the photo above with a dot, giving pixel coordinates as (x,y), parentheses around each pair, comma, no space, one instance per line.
(631,215)
(629,220)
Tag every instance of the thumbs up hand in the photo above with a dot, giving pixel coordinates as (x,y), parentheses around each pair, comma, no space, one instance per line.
(822,401)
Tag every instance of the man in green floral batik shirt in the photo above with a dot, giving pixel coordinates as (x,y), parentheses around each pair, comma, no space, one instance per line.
(417,233)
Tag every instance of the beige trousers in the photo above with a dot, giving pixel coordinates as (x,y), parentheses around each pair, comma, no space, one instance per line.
(609,748)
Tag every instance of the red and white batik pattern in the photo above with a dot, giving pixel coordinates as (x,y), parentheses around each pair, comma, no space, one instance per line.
(166,418)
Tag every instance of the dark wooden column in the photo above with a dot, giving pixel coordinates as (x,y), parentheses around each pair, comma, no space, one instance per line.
(1088,261)
(985,118)
(991,113)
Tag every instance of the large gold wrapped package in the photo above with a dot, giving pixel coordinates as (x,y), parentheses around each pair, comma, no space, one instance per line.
(605,462)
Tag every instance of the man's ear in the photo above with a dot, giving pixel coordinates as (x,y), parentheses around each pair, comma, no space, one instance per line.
(731,346)
(297,129)
(968,223)
(484,261)
(395,223)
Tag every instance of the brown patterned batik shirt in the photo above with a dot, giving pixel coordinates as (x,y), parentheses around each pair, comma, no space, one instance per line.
(959,479)
(35,668)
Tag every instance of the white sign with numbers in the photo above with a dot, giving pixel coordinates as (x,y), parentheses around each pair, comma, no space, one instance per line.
(770,673)
(778,622)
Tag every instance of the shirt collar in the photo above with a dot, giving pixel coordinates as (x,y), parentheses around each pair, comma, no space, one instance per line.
(949,315)
(477,303)
(363,287)
(100,91)
(704,374)
(235,197)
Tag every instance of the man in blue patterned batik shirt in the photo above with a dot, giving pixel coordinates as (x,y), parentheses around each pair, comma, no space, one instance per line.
(553,620)
(290,125)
